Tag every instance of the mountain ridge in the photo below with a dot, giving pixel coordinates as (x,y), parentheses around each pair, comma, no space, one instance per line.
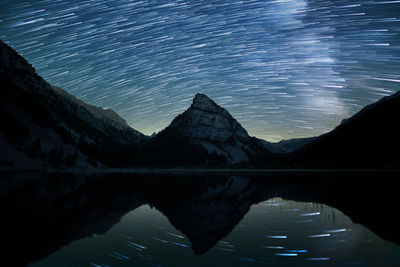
(44,126)
(41,127)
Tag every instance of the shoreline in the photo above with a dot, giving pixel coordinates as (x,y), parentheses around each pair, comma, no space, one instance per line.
(196,171)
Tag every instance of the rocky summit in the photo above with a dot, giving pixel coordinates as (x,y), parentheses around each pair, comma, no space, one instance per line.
(207,121)
(207,125)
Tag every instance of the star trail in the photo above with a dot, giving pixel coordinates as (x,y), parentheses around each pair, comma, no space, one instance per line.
(282,68)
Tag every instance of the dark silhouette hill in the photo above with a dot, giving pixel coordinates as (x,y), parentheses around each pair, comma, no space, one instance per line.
(44,126)
(369,139)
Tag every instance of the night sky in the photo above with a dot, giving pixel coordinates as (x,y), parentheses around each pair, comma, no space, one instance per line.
(283,68)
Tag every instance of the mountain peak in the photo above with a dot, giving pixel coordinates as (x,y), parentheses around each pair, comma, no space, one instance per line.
(209,125)
(201,101)
(201,97)
(206,120)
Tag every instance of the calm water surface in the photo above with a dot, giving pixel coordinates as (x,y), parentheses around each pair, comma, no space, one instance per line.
(272,219)
(275,232)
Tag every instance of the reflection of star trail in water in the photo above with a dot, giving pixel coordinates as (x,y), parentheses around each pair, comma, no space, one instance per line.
(146,237)
(282,68)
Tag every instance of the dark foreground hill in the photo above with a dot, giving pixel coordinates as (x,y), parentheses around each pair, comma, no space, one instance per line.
(369,139)
(44,126)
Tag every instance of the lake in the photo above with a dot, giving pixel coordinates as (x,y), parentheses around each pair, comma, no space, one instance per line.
(200,219)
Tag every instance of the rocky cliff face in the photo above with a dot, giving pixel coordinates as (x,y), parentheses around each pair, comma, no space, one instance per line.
(206,120)
(210,126)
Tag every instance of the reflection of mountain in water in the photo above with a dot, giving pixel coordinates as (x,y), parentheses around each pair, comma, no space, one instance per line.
(60,208)
(210,216)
